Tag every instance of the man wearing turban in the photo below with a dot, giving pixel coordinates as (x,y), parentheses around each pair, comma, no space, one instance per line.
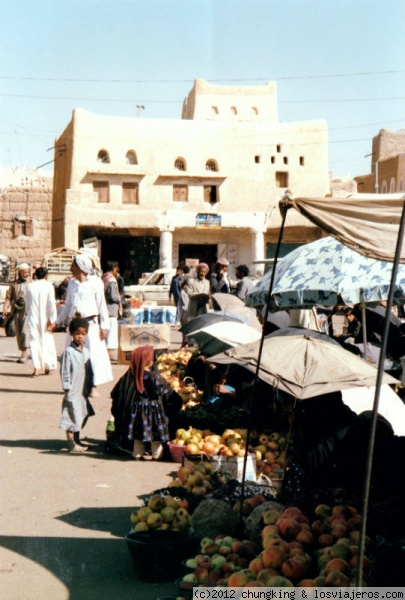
(85,298)
(16,309)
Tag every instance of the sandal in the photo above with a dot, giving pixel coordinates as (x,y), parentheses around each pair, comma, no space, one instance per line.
(34,375)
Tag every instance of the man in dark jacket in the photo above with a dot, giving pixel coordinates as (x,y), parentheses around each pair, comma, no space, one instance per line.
(113,300)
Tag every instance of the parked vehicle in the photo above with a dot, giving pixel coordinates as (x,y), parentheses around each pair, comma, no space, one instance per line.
(155,288)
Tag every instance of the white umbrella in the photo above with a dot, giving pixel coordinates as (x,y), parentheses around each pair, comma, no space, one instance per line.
(223,335)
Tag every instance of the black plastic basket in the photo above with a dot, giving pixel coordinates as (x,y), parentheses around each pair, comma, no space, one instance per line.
(157,555)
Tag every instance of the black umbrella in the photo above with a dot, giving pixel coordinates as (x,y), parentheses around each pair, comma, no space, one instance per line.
(208,319)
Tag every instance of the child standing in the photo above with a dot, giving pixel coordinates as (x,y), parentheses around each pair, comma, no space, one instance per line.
(137,406)
(77,382)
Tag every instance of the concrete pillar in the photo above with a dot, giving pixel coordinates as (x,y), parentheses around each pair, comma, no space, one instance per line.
(166,249)
(258,249)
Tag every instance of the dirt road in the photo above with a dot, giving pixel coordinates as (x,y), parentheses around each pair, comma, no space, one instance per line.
(64,517)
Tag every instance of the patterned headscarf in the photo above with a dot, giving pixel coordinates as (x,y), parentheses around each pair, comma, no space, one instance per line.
(140,358)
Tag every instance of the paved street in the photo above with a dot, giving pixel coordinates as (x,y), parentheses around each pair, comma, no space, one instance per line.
(63,516)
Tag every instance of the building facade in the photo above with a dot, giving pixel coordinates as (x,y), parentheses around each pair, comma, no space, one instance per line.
(156,192)
(25,214)
(387,165)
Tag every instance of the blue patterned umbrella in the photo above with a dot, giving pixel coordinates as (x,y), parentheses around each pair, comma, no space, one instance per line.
(326,273)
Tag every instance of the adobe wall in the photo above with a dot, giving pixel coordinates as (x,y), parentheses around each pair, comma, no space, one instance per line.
(31,199)
(387,144)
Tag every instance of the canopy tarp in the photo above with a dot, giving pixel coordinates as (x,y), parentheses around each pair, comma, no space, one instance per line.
(366,223)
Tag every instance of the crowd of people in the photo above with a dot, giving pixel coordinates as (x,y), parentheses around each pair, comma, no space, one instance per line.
(90,307)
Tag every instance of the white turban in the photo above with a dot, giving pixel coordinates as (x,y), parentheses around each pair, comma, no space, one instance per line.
(23,267)
(84,263)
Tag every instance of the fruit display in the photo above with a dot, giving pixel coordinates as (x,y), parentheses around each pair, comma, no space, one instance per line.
(162,514)
(271,453)
(299,553)
(196,479)
(196,441)
(172,367)
(219,558)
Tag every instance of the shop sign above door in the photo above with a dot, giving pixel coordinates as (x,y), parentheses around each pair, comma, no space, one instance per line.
(207,221)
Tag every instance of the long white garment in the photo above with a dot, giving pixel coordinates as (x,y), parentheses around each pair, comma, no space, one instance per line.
(41,310)
(87,298)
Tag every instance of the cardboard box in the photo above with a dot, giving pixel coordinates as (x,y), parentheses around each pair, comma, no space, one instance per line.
(133,336)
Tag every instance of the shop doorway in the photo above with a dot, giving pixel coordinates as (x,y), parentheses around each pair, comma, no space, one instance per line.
(203,252)
(136,255)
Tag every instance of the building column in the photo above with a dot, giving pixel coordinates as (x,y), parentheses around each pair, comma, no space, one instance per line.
(258,245)
(166,249)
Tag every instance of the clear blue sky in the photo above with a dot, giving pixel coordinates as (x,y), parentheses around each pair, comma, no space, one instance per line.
(339,60)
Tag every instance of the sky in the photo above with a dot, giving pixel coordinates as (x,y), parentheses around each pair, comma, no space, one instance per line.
(338,60)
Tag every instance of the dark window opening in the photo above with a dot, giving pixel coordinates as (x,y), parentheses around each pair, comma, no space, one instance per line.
(281,179)
(273,160)
(278,148)
(211,194)
(103,156)
(302,161)
(23,227)
(257,159)
(285,160)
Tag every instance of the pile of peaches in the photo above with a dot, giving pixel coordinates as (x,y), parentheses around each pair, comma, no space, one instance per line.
(296,552)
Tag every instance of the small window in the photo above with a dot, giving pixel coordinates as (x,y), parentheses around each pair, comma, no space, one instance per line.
(102,189)
(211,194)
(257,159)
(281,179)
(130,158)
(392,185)
(211,165)
(285,160)
(130,193)
(272,160)
(180,193)
(23,226)
(384,187)
(278,148)
(103,156)
(254,111)
(180,164)
(302,161)
(214,110)
(234,110)
(401,185)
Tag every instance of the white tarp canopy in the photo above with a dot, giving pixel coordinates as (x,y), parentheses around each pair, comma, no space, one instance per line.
(367,223)
(390,405)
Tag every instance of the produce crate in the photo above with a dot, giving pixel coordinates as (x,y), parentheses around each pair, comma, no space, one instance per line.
(176,452)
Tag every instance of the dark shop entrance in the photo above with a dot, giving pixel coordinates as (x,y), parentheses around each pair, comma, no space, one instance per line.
(204,252)
(136,255)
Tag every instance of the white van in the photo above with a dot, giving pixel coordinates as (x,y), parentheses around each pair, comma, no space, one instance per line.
(155,288)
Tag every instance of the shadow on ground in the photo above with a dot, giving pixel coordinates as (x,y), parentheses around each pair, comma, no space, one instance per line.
(90,568)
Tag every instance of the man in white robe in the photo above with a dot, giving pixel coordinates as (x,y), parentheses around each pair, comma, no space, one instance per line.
(41,311)
(85,298)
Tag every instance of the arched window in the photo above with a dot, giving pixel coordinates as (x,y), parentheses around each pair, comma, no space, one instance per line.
(103,156)
(384,187)
(214,110)
(254,110)
(180,164)
(211,165)
(392,185)
(234,110)
(400,185)
(130,158)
